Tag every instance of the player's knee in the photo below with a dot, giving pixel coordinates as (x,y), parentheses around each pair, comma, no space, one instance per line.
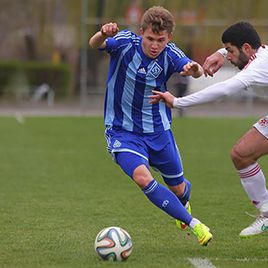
(236,157)
(141,176)
(181,188)
(178,189)
(234,154)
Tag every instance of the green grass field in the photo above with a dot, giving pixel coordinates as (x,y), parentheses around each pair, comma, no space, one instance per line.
(59,188)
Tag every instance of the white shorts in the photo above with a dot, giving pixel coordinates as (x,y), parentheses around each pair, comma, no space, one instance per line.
(262,126)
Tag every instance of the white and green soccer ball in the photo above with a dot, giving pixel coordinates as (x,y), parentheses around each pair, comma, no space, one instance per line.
(113,243)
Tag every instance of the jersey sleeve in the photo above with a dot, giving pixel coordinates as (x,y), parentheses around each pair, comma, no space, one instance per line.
(120,40)
(178,58)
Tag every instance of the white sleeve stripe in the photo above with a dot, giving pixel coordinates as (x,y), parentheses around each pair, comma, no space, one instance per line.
(177,51)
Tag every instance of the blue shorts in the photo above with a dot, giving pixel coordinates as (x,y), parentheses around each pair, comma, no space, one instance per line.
(158,150)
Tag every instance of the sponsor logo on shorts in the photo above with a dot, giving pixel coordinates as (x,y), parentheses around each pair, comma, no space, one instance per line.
(263,122)
(117,144)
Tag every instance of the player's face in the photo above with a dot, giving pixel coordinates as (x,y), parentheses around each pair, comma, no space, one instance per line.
(154,43)
(236,56)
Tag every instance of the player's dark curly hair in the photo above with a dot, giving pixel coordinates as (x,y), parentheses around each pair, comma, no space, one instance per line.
(240,33)
(159,18)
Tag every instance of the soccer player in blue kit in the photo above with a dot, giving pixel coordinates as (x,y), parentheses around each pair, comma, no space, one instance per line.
(138,133)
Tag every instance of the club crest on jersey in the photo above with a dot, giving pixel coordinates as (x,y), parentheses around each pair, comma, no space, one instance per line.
(155,70)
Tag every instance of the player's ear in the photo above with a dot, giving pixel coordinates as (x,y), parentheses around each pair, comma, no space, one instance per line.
(247,48)
(141,31)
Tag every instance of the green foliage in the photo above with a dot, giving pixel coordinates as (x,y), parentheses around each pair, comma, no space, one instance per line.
(18,76)
(59,188)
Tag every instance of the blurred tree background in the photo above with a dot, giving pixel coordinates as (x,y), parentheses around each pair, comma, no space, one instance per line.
(57,31)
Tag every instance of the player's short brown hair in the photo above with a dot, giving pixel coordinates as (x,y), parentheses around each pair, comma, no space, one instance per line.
(159,18)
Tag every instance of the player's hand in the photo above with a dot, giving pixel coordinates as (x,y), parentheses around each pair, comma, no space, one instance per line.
(167,97)
(213,63)
(190,68)
(109,29)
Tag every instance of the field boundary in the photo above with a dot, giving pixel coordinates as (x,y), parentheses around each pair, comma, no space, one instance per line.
(226,108)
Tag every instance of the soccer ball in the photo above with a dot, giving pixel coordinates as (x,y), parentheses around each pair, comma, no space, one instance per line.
(113,243)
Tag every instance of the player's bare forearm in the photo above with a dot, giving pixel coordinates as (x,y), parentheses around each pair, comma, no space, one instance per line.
(97,40)
(107,30)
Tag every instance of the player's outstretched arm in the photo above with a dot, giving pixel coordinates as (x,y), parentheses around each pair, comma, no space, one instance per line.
(107,30)
(214,62)
(227,88)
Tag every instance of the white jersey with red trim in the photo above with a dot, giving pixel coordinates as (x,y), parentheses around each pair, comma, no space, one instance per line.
(255,73)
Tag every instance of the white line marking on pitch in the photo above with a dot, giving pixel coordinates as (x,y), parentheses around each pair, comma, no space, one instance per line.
(19,117)
(201,263)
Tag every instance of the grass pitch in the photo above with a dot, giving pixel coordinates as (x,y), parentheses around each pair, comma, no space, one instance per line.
(59,188)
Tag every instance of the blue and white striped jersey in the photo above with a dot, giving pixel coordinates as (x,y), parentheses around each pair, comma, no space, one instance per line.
(131,78)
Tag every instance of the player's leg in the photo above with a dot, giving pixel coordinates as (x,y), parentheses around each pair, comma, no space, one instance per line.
(161,196)
(137,168)
(181,190)
(245,154)
(129,151)
(168,162)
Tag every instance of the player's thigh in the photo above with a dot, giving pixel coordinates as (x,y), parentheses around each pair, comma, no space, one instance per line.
(135,167)
(252,145)
(129,162)
(123,141)
(168,162)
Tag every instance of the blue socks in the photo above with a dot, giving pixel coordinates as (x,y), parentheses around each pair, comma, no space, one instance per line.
(166,200)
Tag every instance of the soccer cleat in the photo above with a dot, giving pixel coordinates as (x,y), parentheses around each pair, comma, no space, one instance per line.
(201,231)
(257,227)
(180,224)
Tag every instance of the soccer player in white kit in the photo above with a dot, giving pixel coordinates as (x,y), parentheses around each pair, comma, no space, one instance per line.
(243,48)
